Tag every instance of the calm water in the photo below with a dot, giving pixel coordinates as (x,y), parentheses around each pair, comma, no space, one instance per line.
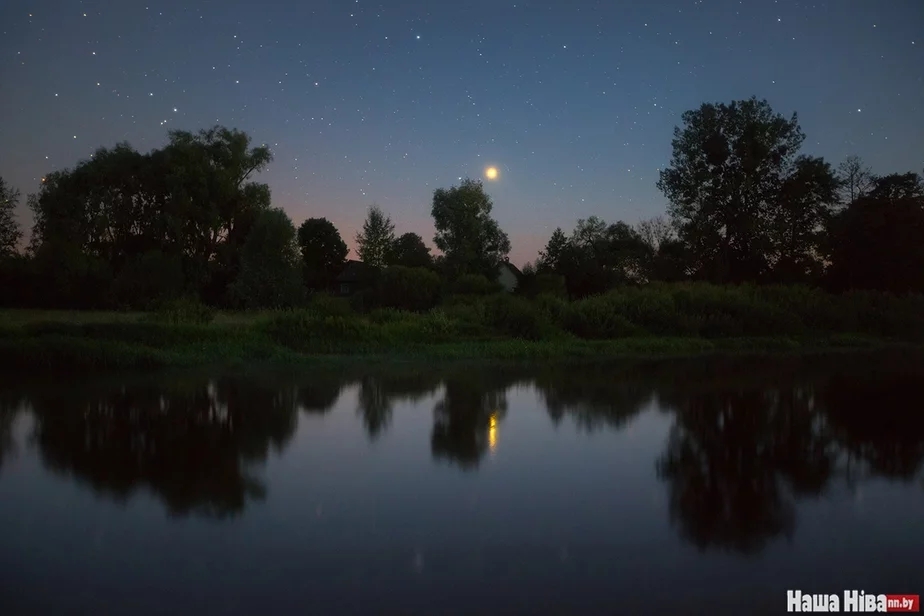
(704,487)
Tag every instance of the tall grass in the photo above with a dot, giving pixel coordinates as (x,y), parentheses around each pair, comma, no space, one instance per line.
(658,319)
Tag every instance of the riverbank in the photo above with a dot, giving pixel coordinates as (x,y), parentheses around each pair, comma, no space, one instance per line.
(75,341)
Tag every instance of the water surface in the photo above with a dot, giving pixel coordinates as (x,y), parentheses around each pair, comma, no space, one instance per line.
(700,486)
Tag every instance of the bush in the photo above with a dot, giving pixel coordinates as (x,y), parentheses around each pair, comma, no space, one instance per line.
(182,310)
(305,330)
(474,284)
(382,316)
(594,318)
(415,289)
(148,278)
(555,308)
(517,317)
(326,305)
(655,311)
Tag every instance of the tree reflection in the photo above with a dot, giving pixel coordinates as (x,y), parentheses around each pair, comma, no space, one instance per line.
(876,416)
(193,442)
(379,393)
(738,456)
(10,404)
(319,394)
(594,396)
(732,454)
(466,420)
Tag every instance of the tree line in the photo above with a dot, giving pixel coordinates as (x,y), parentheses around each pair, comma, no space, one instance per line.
(125,229)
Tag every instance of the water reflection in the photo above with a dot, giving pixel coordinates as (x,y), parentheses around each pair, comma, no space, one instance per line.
(379,393)
(596,396)
(877,417)
(748,439)
(10,403)
(192,442)
(474,402)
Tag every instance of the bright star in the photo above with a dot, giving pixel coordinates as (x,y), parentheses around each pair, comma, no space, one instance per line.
(491,173)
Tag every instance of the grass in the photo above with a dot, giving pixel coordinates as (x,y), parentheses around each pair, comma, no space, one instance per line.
(658,320)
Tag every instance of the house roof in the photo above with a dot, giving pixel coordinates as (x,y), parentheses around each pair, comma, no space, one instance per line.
(513,268)
(354,271)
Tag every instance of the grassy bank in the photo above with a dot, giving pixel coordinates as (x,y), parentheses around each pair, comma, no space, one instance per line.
(662,320)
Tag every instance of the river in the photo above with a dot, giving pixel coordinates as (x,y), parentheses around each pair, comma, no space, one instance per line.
(699,486)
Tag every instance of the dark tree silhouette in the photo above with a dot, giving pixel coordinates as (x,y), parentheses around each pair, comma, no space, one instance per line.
(191,202)
(807,199)
(597,256)
(376,240)
(409,250)
(724,185)
(323,252)
(855,178)
(877,242)
(471,241)
(10,231)
(270,275)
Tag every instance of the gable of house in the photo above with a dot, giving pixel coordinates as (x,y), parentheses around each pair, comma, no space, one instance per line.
(508,276)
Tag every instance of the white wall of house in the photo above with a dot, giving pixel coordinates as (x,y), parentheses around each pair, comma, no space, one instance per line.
(507,278)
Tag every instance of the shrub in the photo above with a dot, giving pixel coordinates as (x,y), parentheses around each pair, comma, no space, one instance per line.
(327,305)
(407,288)
(148,278)
(517,317)
(594,318)
(655,311)
(182,310)
(308,331)
(382,316)
(474,284)
(555,308)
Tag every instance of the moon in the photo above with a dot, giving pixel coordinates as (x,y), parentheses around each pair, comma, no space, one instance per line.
(491,173)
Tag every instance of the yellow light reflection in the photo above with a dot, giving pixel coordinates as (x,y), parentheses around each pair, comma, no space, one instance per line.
(491,173)
(492,433)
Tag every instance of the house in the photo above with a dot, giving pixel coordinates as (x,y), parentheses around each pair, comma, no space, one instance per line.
(354,276)
(508,276)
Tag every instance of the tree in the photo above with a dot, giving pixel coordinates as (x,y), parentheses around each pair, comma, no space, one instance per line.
(728,165)
(897,186)
(375,241)
(10,232)
(624,254)
(667,258)
(855,177)
(471,241)
(323,252)
(876,242)
(270,276)
(596,256)
(409,250)
(806,203)
(190,201)
(108,207)
(549,258)
(655,231)
(212,203)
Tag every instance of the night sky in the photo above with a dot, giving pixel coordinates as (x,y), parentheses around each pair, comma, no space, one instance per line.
(370,102)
